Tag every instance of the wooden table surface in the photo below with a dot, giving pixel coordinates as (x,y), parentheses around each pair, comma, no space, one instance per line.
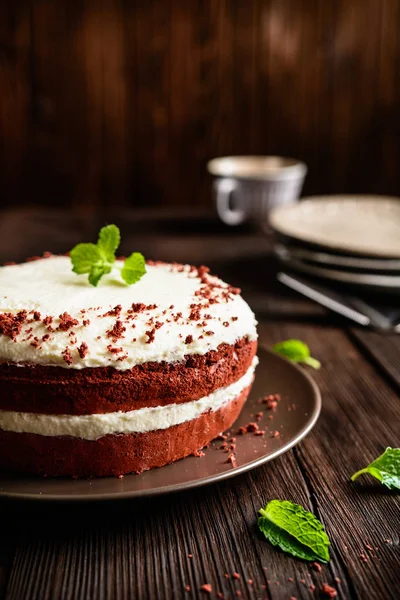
(140,549)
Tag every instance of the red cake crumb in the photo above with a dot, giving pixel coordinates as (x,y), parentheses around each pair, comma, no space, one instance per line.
(66,322)
(46,337)
(47,320)
(138,307)
(206,587)
(188,339)
(232,459)
(35,343)
(190,555)
(117,331)
(151,334)
(260,432)
(226,575)
(67,356)
(316,566)
(187,588)
(242,430)
(328,591)
(195,314)
(32,258)
(252,427)
(115,312)
(275,434)
(114,350)
(312,587)
(220,596)
(235,575)
(199,453)
(83,350)
(11,325)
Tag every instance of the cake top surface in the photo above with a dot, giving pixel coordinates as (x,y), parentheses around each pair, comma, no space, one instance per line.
(51,316)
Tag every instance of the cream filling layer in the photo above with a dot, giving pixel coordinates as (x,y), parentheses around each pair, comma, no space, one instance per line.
(93,427)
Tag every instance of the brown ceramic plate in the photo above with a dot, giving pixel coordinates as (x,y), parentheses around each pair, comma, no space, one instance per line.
(296,414)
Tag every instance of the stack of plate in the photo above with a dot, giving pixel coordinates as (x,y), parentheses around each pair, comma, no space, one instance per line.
(349,239)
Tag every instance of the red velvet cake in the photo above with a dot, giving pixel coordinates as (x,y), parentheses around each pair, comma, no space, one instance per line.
(116,379)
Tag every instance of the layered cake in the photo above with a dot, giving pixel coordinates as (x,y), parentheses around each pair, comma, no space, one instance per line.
(116,379)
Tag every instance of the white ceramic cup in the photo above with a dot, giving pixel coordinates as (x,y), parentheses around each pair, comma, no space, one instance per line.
(248,187)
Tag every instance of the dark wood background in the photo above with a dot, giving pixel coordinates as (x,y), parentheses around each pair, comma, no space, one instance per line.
(123,102)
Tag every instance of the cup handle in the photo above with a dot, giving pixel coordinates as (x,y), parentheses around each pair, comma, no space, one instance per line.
(230,216)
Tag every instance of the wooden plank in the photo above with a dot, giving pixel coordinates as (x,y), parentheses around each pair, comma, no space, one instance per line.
(384,350)
(57,148)
(123,103)
(15,47)
(360,418)
(141,550)
(103,43)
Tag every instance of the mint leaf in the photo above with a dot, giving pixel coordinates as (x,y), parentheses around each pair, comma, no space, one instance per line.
(386,469)
(98,259)
(83,257)
(296,351)
(294,530)
(97,273)
(134,268)
(109,240)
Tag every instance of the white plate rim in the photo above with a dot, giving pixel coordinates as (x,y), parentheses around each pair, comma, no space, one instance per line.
(277,215)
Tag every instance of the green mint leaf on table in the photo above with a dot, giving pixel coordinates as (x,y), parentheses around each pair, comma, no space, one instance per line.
(296,351)
(134,268)
(98,259)
(386,468)
(294,530)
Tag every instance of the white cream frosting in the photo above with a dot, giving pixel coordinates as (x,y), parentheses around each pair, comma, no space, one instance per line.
(93,427)
(50,287)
